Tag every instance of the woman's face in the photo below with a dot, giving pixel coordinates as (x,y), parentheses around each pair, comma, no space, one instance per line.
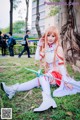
(51,38)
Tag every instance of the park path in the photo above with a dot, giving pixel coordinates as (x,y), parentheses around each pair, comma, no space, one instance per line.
(16,56)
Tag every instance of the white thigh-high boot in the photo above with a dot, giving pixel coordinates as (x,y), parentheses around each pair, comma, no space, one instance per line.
(46,94)
(28,85)
(11,90)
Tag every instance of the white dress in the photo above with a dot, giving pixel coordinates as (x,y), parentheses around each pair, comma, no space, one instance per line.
(63,90)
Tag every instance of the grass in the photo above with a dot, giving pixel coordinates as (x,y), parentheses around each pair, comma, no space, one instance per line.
(12,70)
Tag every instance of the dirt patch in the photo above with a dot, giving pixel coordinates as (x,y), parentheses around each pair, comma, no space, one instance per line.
(1,70)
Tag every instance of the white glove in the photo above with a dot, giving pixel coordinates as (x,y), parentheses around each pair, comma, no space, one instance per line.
(37,53)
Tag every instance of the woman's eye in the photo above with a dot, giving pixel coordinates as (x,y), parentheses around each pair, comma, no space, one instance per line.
(53,36)
(48,35)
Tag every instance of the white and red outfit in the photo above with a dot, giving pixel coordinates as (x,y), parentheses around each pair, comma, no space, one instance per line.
(47,79)
(61,76)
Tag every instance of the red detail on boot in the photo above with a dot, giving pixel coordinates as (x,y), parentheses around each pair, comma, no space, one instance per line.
(58,77)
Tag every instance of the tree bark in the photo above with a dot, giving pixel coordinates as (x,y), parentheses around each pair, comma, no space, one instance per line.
(37,19)
(70,38)
(11,15)
(27,11)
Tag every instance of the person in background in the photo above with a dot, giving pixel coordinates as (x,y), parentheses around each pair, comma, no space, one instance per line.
(26,46)
(10,44)
(4,45)
(1,39)
(50,53)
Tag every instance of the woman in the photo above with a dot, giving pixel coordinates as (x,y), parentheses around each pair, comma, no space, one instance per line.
(50,54)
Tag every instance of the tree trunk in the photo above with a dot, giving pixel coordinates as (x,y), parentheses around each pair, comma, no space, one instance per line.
(11,15)
(37,19)
(27,11)
(70,37)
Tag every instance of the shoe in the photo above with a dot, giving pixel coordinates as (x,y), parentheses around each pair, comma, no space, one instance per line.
(9,90)
(19,56)
(46,104)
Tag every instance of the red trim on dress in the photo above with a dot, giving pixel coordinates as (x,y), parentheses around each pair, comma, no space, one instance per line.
(61,63)
(41,55)
(60,57)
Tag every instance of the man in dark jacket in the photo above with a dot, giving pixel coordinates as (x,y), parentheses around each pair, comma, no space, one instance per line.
(0,39)
(26,47)
(4,45)
(10,44)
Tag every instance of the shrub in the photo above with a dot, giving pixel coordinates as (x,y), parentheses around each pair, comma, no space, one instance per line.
(18,48)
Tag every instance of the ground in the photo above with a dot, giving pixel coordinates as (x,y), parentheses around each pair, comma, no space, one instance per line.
(12,70)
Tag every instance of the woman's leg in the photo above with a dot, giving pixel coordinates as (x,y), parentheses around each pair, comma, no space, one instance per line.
(11,90)
(28,85)
(47,99)
(64,90)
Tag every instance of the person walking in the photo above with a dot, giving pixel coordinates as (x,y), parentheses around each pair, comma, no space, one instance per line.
(26,47)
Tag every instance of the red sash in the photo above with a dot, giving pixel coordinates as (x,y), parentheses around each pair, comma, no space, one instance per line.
(57,75)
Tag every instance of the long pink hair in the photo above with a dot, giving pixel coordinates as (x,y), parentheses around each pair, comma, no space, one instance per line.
(51,30)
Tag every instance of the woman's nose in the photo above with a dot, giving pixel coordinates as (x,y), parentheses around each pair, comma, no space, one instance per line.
(50,36)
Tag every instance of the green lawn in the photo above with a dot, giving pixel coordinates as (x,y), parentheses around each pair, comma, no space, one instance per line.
(12,70)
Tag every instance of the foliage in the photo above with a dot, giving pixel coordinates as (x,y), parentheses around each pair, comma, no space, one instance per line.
(12,71)
(18,27)
(16,3)
(54,0)
(5,30)
(54,8)
(18,48)
(54,11)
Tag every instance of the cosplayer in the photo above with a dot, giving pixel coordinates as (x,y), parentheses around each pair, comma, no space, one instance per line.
(50,54)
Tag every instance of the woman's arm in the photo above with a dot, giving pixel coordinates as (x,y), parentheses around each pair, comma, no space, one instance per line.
(39,54)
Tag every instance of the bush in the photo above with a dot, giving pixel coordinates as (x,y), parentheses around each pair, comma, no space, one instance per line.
(18,48)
